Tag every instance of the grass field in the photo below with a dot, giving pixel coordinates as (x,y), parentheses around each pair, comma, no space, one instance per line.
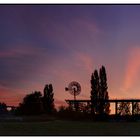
(59,127)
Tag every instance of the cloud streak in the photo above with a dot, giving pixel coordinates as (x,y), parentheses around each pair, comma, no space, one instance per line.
(132,68)
(77,33)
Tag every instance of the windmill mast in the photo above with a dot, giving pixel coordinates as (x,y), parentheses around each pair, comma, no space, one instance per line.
(74,89)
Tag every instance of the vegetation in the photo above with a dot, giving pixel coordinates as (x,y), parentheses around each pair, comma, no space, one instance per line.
(124,108)
(32,104)
(48,100)
(136,107)
(98,109)
(103,93)
(99,92)
(3,108)
(94,92)
(35,103)
(68,113)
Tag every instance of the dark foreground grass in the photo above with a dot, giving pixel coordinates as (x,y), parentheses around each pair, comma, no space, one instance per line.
(72,128)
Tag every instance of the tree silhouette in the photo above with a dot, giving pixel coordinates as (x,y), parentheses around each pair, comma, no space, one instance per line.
(32,104)
(103,93)
(85,108)
(136,107)
(124,108)
(48,100)
(99,92)
(94,92)
(3,108)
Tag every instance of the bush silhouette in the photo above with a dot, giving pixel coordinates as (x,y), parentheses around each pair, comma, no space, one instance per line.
(32,104)
(3,108)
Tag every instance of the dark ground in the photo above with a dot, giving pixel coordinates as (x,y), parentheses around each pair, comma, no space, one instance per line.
(70,128)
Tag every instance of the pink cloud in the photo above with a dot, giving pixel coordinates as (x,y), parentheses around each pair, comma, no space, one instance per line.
(6,54)
(85,61)
(76,34)
(20,50)
(59,103)
(132,67)
(12,52)
(10,96)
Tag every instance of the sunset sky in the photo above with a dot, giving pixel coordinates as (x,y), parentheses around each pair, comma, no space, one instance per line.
(42,44)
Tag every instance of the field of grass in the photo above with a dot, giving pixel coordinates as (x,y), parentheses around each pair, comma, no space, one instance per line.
(69,128)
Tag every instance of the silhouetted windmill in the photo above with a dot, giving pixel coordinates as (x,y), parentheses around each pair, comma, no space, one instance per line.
(74,88)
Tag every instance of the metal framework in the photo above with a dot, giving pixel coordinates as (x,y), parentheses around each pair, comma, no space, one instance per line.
(122,106)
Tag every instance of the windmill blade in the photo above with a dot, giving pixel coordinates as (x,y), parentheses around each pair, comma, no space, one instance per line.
(74,88)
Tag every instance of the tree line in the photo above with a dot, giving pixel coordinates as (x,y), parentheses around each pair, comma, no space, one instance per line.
(43,103)
(37,103)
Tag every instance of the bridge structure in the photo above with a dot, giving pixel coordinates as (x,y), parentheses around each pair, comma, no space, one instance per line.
(133,104)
